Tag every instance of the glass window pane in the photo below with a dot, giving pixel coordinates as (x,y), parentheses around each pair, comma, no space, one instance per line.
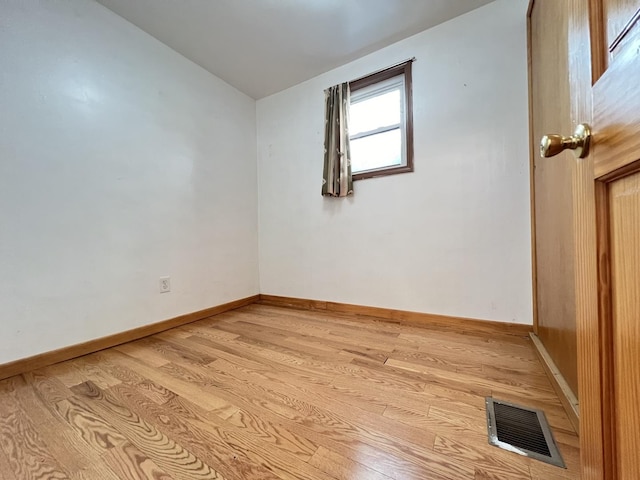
(375,112)
(376,151)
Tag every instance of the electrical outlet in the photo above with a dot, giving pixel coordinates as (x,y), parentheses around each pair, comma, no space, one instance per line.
(165,284)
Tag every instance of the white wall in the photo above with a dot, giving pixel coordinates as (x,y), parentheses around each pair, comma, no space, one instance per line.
(451,238)
(120,161)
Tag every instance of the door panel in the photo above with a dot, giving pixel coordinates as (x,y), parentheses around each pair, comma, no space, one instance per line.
(619,15)
(553,204)
(624,215)
(616,106)
(615,333)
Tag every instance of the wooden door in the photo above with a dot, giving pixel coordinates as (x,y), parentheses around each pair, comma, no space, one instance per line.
(616,156)
(603,44)
(550,111)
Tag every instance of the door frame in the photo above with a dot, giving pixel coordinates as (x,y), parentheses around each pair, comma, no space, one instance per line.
(532,187)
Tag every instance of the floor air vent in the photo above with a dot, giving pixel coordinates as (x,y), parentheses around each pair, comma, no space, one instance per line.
(521,430)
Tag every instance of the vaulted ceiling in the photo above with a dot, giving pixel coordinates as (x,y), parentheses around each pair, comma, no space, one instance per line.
(264,46)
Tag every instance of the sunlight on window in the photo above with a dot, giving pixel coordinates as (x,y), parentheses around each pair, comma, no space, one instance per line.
(376,112)
(376,151)
(380,123)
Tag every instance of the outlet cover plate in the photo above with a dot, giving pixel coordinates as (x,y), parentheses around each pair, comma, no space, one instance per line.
(165,284)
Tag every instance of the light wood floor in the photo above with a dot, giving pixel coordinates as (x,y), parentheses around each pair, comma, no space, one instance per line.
(272,393)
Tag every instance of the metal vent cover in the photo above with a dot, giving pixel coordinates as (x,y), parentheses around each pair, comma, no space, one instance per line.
(521,430)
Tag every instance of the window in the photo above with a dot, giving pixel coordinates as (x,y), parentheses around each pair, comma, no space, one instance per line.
(381,124)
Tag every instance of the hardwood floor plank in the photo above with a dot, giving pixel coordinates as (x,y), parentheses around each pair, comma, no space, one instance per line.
(274,433)
(333,331)
(26,452)
(320,384)
(435,424)
(480,457)
(244,453)
(266,392)
(6,471)
(478,385)
(299,387)
(63,442)
(166,348)
(330,368)
(209,444)
(275,455)
(377,459)
(467,420)
(466,348)
(47,387)
(66,373)
(541,471)
(127,461)
(377,431)
(295,404)
(147,387)
(162,450)
(182,387)
(91,427)
(432,395)
(141,352)
(569,439)
(207,329)
(287,418)
(342,468)
(374,431)
(90,370)
(247,359)
(325,410)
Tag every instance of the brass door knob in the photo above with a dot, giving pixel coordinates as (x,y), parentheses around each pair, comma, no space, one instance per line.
(552,144)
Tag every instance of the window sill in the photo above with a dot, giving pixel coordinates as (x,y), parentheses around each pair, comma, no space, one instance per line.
(383,172)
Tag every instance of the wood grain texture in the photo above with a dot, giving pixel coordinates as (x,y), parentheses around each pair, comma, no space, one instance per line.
(551,104)
(127,462)
(566,396)
(265,392)
(22,445)
(615,155)
(604,324)
(49,358)
(597,36)
(621,16)
(624,205)
(616,140)
(163,450)
(588,60)
(398,316)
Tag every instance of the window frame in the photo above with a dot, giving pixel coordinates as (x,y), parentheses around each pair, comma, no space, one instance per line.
(403,69)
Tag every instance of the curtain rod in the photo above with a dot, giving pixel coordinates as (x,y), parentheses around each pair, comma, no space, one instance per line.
(412,59)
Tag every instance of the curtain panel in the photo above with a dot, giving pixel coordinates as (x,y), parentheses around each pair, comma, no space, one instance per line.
(337,180)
